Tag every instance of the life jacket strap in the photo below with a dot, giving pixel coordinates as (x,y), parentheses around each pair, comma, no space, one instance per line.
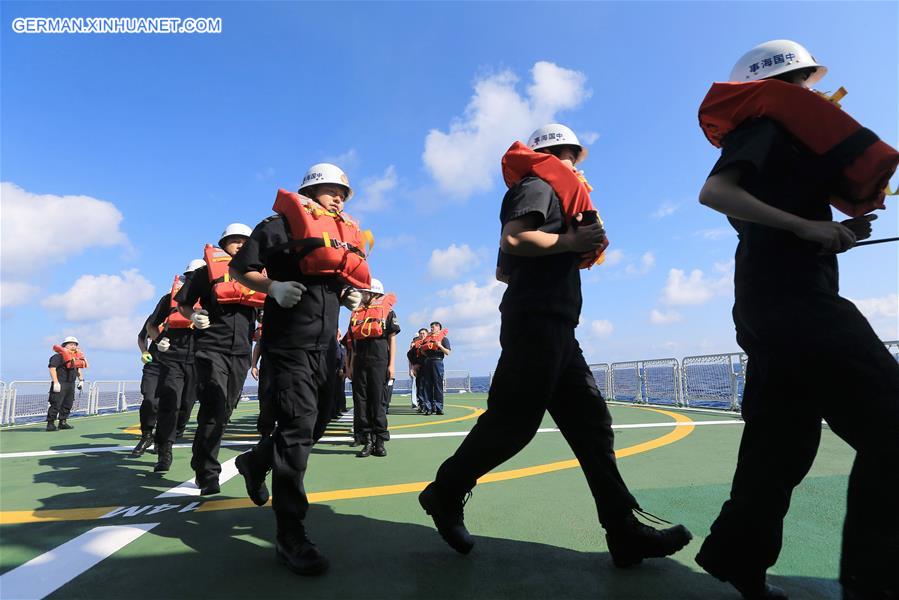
(307,245)
(842,155)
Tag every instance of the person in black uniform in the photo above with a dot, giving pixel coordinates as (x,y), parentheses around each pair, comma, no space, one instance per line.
(173,335)
(64,379)
(298,350)
(372,359)
(415,362)
(432,368)
(810,351)
(339,387)
(542,368)
(223,339)
(149,381)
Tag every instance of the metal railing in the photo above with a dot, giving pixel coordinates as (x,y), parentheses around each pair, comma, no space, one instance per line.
(714,381)
(458,381)
(710,380)
(603,376)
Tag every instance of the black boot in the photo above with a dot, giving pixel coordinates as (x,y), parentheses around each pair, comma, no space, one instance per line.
(366,449)
(752,586)
(254,478)
(163,457)
(630,541)
(448,517)
(208,487)
(51,426)
(146,439)
(63,424)
(301,556)
(379,449)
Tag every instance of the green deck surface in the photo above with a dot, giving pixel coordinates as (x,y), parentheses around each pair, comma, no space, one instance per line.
(536,536)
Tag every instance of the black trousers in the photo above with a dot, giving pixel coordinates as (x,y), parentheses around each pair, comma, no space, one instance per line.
(369,387)
(340,396)
(61,402)
(299,388)
(220,380)
(811,357)
(149,405)
(177,391)
(388,395)
(542,368)
(265,422)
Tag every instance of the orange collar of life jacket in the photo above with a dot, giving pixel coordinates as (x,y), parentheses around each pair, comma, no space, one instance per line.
(863,161)
(569,185)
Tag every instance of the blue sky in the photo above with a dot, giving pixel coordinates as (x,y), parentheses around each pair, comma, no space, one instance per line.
(123,154)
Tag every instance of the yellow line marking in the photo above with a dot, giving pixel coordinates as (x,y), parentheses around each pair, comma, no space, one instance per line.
(475,413)
(16,517)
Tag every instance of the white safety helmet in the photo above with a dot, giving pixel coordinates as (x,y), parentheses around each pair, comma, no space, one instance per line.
(376,286)
(70,338)
(776,58)
(326,173)
(556,134)
(235,229)
(194,265)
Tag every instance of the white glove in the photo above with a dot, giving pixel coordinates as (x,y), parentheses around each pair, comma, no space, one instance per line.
(200,319)
(351,299)
(286,293)
(57,387)
(163,344)
(80,384)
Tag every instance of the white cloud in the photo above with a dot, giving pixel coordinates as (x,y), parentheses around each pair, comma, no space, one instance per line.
(465,159)
(372,194)
(658,317)
(396,241)
(883,314)
(666,209)
(96,297)
(588,137)
(14,293)
(602,328)
(696,288)
(613,257)
(885,307)
(452,262)
(716,233)
(114,333)
(46,229)
(647,262)
(347,161)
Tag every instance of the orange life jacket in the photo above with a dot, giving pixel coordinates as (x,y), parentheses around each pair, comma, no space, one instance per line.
(225,289)
(74,359)
(176,320)
(326,243)
(368,322)
(864,162)
(569,185)
(429,343)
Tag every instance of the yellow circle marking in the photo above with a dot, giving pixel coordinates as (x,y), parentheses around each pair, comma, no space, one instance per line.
(475,413)
(14,517)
